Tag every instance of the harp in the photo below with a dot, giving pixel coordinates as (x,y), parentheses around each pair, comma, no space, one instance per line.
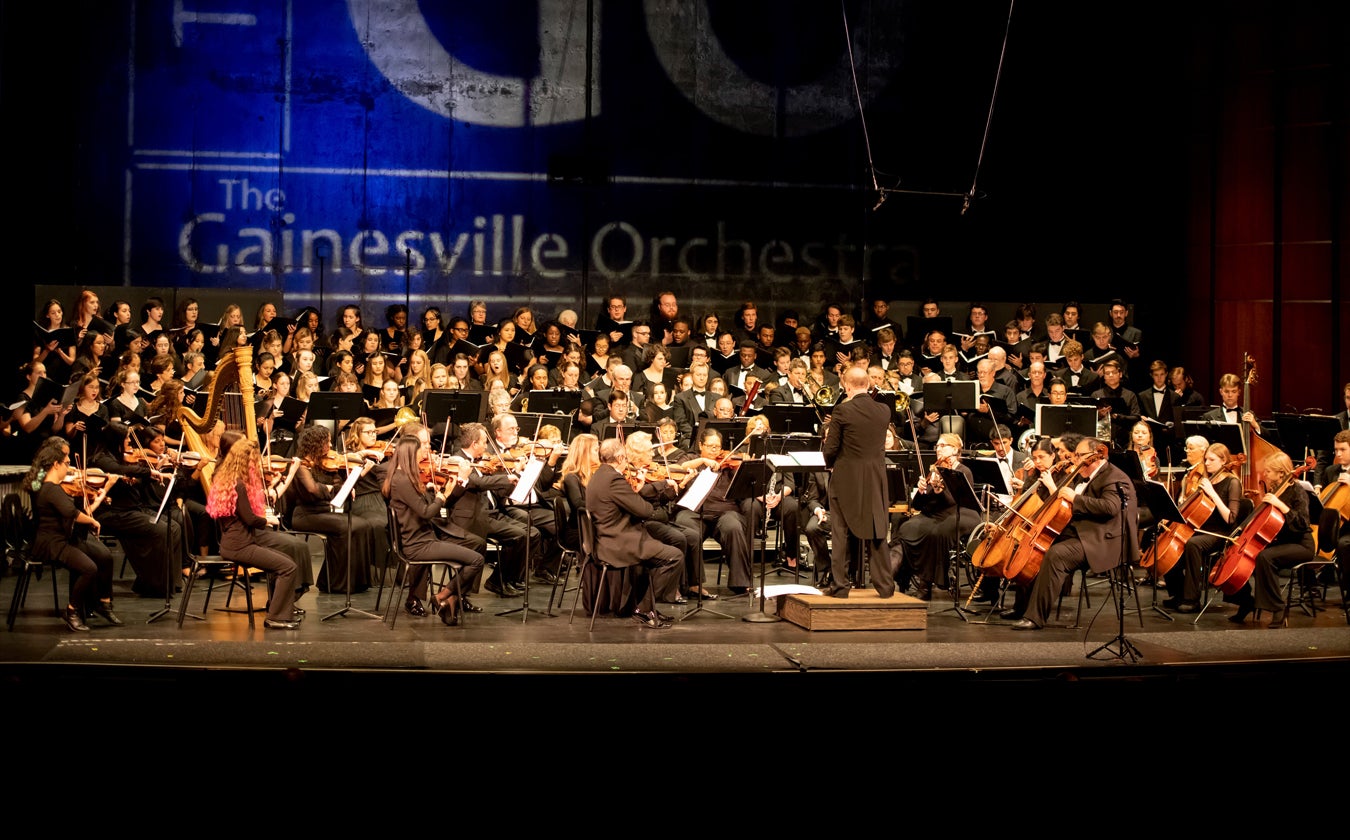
(230,399)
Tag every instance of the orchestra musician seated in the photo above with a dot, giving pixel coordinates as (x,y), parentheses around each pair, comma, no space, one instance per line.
(1090,505)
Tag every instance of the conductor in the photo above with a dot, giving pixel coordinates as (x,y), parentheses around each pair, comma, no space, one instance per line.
(854,447)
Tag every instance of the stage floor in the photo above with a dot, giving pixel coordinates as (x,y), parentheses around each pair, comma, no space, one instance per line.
(732,641)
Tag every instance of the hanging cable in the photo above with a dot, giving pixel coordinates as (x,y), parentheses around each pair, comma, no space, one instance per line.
(970,196)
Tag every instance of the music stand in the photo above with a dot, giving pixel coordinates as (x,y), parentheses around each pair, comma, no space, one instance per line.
(531,423)
(520,497)
(1154,495)
(1057,420)
(629,427)
(732,432)
(1297,430)
(555,402)
(790,418)
(1120,647)
(452,407)
(965,497)
(339,406)
(949,398)
(750,480)
(1218,431)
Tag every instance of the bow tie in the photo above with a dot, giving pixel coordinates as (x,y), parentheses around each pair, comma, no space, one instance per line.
(1056,343)
(1160,390)
(700,393)
(747,370)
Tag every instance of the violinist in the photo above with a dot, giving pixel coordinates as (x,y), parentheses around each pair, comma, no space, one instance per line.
(536,516)
(309,501)
(1290,545)
(724,516)
(416,506)
(1141,441)
(1219,482)
(128,513)
(68,536)
(366,452)
(238,503)
(673,525)
(1094,533)
(473,516)
(924,540)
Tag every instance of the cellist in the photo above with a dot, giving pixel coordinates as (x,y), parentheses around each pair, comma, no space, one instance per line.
(1335,481)
(1095,533)
(1221,484)
(1291,545)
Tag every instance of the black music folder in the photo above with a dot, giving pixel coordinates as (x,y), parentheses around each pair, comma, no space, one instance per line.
(63,336)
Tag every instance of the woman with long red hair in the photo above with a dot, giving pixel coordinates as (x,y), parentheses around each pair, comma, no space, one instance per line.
(239,504)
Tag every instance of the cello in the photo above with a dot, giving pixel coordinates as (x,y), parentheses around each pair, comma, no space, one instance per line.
(1049,523)
(992,554)
(1334,497)
(1232,571)
(1171,541)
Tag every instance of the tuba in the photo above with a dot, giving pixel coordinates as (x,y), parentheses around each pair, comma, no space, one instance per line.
(224,402)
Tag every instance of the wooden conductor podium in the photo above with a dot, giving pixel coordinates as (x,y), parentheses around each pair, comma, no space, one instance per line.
(863,609)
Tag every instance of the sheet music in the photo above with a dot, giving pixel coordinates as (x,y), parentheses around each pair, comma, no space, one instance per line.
(528,478)
(698,490)
(789,461)
(337,501)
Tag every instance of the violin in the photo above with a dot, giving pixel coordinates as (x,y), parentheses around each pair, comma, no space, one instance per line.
(86,483)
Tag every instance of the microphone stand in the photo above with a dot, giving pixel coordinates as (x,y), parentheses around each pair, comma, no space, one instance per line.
(1120,647)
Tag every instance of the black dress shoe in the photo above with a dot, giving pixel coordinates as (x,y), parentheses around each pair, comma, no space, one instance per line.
(836,591)
(650,620)
(545,576)
(923,591)
(75,621)
(504,592)
(415,607)
(677,600)
(1026,624)
(105,610)
(1188,606)
(465,605)
(1241,615)
(1009,614)
(277,624)
(660,616)
(692,595)
(1171,603)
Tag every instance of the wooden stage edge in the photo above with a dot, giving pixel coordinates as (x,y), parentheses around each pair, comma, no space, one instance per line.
(863,609)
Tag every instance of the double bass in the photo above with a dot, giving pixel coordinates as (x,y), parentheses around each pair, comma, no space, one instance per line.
(1232,571)
(1049,522)
(1255,447)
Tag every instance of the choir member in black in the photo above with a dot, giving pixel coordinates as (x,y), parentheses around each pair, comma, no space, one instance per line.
(154,549)
(310,501)
(1099,351)
(416,505)
(87,415)
(238,503)
(623,540)
(853,446)
(1291,545)
(1219,482)
(68,536)
(1095,533)
(58,356)
(1156,402)
(982,422)
(927,537)
(35,423)
(1075,375)
(93,355)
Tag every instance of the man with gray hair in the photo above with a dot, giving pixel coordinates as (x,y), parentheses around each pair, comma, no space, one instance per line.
(623,541)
